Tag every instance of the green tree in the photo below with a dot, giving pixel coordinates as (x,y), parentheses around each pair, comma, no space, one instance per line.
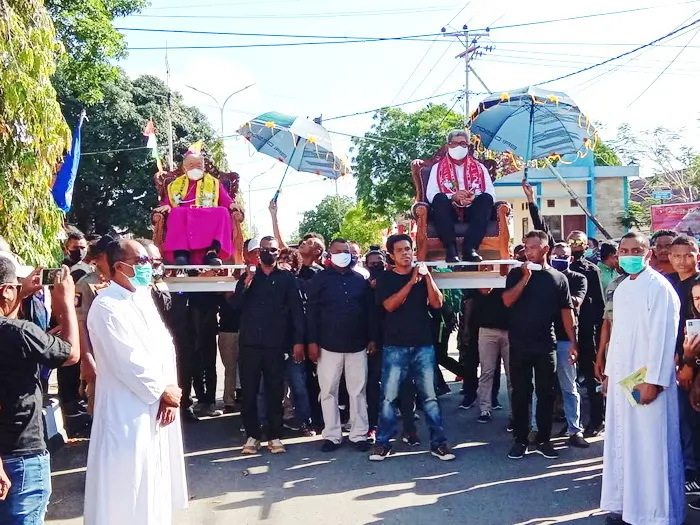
(360,226)
(382,164)
(115,185)
(90,43)
(33,134)
(326,218)
(637,216)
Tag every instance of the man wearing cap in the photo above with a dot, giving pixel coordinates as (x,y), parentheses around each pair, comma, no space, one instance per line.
(86,289)
(199,229)
(460,189)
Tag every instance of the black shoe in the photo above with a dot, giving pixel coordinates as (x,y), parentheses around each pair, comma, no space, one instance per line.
(517,451)
(467,402)
(695,504)
(692,488)
(329,446)
(547,450)
(509,426)
(615,519)
(362,446)
(212,259)
(182,258)
(379,453)
(411,440)
(484,417)
(496,406)
(577,441)
(591,432)
(472,256)
(443,453)
(292,424)
(451,254)
(188,415)
(229,409)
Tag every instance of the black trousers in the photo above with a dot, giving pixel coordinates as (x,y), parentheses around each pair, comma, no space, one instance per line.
(374,389)
(205,329)
(586,360)
(183,339)
(68,383)
(523,362)
(444,216)
(255,363)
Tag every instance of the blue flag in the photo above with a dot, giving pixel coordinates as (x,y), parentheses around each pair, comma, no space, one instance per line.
(65,179)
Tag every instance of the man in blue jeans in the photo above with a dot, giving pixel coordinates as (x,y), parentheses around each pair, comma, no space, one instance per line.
(566,370)
(24,348)
(406,293)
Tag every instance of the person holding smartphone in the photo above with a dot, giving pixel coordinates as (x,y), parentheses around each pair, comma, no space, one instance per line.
(25,476)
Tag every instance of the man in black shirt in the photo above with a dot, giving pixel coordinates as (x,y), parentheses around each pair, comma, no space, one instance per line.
(406,293)
(684,255)
(536,299)
(566,371)
(589,323)
(24,348)
(339,313)
(271,308)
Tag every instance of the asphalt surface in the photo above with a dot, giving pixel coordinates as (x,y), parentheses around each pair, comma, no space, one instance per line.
(306,485)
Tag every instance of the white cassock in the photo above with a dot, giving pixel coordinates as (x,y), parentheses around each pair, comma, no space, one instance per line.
(136,468)
(642,463)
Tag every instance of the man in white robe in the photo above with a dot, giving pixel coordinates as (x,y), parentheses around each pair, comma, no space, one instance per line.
(643,476)
(136,469)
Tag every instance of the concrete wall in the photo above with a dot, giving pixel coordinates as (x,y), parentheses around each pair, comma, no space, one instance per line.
(610,204)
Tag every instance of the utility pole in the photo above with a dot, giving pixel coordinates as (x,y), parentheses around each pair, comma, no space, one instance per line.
(171,163)
(472,50)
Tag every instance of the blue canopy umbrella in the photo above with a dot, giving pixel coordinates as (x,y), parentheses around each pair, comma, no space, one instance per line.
(536,124)
(300,143)
(532,123)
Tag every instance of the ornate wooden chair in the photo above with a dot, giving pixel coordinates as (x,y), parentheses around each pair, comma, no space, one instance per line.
(429,247)
(230,182)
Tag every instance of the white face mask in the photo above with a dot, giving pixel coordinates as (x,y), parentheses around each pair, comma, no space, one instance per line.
(341,260)
(458,153)
(195,174)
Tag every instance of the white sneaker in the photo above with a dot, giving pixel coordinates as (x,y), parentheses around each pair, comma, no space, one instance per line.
(275,446)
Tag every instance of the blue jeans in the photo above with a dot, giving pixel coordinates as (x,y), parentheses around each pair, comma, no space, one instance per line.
(31,487)
(566,372)
(418,362)
(295,374)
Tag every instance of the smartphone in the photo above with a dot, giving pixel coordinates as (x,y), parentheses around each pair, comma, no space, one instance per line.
(48,276)
(637,396)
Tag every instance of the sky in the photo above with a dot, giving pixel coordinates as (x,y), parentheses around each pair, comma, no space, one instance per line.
(651,88)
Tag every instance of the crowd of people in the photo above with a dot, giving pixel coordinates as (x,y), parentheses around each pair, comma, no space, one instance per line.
(320,338)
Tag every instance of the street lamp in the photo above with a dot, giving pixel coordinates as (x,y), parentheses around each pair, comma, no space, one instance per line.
(250,202)
(220,106)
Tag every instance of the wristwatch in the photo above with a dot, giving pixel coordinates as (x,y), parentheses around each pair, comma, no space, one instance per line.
(691,361)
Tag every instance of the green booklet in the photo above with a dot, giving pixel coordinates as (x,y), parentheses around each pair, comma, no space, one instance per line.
(632,380)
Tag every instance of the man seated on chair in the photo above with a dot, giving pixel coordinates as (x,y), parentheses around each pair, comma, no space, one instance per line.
(460,190)
(198,227)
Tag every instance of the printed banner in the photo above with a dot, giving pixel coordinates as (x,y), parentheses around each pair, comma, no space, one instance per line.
(681,218)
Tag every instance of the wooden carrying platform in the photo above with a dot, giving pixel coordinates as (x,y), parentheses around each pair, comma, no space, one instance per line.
(471,277)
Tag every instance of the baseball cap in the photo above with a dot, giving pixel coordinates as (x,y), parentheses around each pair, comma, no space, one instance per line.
(253,244)
(20,270)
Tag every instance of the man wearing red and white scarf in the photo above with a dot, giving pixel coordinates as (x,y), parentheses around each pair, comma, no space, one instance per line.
(460,189)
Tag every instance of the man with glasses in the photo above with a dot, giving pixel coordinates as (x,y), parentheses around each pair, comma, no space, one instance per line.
(271,309)
(460,190)
(590,320)
(661,242)
(25,476)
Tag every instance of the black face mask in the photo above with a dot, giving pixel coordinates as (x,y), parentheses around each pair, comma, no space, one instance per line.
(375,270)
(577,255)
(267,258)
(77,255)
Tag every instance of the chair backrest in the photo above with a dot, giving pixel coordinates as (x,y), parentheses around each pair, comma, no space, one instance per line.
(229,180)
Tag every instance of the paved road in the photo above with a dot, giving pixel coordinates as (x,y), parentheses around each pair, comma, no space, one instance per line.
(305,485)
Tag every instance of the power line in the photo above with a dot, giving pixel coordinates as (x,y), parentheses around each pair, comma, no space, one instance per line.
(415,69)
(428,73)
(582,17)
(664,71)
(562,77)
(386,12)
(283,44)
(390,106)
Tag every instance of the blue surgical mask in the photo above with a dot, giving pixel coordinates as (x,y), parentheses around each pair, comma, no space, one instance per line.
(143,275)
(632,264)
(588,252)
(560,264)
